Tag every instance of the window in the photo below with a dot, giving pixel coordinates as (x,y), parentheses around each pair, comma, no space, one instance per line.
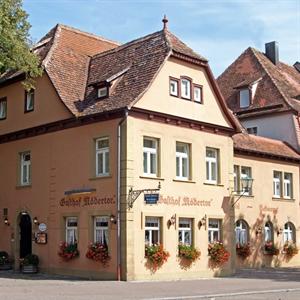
(150,156)
(197,93)
(185,88)
(214,230)
(3,108)
(71,230)
(277,184)
(287,185)
(152,231)
(102,157)
(241,232)
(212,165)
(102,92)
(182,161)
(29,101)
(245,173)
(25,176)
(101,230)
(252,130)
(244,98)
(268,232)
(185,231)
(289,233)
(174,85)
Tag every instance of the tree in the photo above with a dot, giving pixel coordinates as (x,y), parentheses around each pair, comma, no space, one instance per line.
(15,53)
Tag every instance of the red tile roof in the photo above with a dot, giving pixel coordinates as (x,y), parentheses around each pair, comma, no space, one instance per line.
(279,85)
(257,145)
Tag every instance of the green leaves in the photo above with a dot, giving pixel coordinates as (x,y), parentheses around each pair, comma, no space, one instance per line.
(15,53)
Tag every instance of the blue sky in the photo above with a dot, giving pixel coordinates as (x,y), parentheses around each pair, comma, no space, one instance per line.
(218,29)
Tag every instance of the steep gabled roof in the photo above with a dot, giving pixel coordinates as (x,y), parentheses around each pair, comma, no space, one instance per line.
(277,89)
(260,146)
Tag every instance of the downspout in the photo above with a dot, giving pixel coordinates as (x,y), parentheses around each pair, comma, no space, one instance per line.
(119,196)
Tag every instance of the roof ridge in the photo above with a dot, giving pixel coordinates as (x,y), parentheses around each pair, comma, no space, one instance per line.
(270,76)
(91,35)
(126,45)
(54,44)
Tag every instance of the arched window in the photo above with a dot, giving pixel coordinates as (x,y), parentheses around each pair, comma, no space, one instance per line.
(269,232)
(241,232)
(289,233)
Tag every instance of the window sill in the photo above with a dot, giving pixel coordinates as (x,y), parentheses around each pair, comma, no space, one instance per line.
(243,196)
(213,184)
(182,180)
(150,177)
(100,177)
(20,187)
(283,199)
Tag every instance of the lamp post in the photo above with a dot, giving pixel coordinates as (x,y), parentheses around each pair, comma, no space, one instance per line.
(246,183)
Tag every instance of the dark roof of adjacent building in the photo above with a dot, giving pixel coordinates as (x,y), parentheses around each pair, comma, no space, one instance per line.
(265,147)
(278,86)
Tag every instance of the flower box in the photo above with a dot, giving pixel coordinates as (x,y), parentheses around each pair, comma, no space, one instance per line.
(156,256)
(188,252)
(98,252)
(29,264)
(243,251)
(218,254)
(68,251)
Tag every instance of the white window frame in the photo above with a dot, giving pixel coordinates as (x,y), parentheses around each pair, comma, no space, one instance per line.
(288,186)
(199,88)
(29,101)
(181,156)
(212,230)
(175,83)
(101,231)
(289,233)
(244,102)
(241,232)
(104,153)
(277,183)
(102,92)
(182,230)
(186,94)
(3,109)
(25,169)
(268,232)
(151,229)
(71,231)
(210,162)
(151,153)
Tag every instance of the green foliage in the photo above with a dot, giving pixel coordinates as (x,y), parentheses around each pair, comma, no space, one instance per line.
(31,259)
(15,54)
(188,252)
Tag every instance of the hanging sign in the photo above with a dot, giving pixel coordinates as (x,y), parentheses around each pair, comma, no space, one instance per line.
(151,198)
(42,227)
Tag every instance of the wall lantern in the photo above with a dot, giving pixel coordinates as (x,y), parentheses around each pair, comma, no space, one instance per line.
(6,221)
(35,221)
(172,221)
(258,230)
(202,222)
(246,184)
(279,231)
(113,219)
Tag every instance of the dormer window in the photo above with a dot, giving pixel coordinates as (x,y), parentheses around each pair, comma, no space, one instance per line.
(29,101)
(103,92)
(174,87)
(244,96)
(185,88)
(197,93)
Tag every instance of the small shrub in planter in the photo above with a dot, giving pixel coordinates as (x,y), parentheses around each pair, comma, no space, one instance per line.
(98,252)
(5,261)
(30,263)
(243,251)
(188,252)
(156,256)
(68,251)
(290,249)
(271,249)
(218,254)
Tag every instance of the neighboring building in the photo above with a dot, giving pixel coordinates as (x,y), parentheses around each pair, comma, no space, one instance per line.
(264,93)
(86,152)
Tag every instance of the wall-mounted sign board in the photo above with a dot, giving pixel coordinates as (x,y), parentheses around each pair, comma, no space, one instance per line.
(41,238)
(151,198)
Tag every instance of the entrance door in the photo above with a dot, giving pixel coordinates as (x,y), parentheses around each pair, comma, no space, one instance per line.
(25,235)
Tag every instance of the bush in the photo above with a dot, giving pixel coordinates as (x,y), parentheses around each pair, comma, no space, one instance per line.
(290,249)
(68,251)
(218,254)
(98,252)
(243,251)
(4,259)
(30,260)
(271,249)
(188,252)
(156,256)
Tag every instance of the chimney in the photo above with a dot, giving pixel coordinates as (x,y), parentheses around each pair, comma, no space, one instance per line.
(272,52)
(297,66)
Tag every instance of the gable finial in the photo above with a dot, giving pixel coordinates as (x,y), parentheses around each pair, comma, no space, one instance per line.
(165,21)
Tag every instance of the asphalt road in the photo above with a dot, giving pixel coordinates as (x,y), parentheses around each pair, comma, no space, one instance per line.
(283,284)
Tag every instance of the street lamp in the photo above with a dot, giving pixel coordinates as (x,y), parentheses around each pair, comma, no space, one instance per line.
(246,184)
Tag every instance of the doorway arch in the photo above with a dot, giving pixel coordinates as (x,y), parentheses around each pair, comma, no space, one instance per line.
(25,234)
